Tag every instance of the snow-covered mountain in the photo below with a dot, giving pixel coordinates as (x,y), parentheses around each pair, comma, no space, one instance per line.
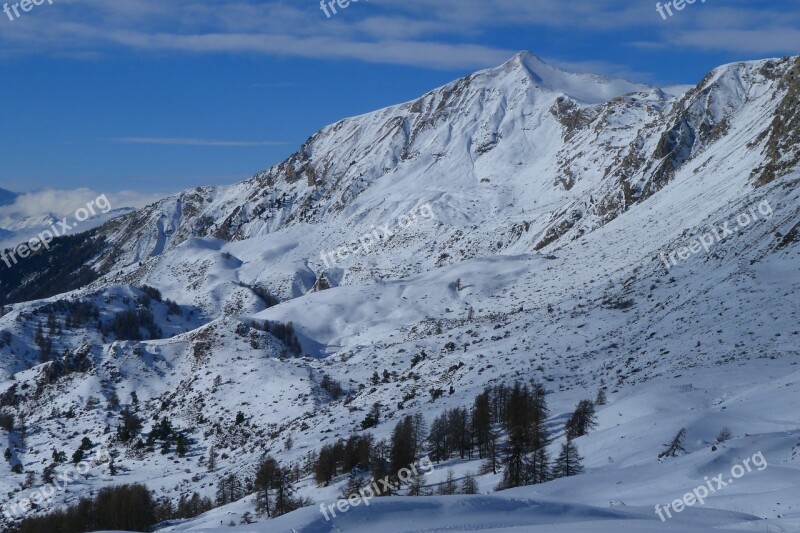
(17,231)
(520,223)
(18,225)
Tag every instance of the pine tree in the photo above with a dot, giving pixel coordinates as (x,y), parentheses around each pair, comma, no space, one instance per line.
(482,423)
(402,453)
(675,446)
(448,487)
(49,474)
(212,459)
(438,438)
(569,462)
(229,490)
(581,421)
(326,465)
(266,480)
(77,457)
(601,398)
(181,447)
(492,462)
(525,416)
(469,485)
(539,470)
(285,502)
(354,484)
(380,462)
(416,486)
(420,431)
(22,431)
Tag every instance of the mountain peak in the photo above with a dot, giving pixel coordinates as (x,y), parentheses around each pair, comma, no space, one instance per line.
(585,87)
(526,56)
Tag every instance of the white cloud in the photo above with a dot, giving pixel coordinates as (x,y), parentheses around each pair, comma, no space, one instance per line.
(432,33)
(61,203)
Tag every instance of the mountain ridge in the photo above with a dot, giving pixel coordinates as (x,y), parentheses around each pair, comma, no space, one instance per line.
(541,261)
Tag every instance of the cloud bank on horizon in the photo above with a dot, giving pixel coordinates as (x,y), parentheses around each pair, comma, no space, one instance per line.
(431,33)
(60,202)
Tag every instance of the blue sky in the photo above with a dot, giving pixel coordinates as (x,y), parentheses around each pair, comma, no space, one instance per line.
(154,96)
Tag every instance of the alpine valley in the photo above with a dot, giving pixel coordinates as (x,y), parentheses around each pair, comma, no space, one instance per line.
(190,339)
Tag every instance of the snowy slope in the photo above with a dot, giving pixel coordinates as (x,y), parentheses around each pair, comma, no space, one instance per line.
(543,205)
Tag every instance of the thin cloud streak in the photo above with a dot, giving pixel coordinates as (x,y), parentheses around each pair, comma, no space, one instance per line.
(182,141)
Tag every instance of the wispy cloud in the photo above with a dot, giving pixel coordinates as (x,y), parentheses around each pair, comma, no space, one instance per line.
(430,33)
(63,202)
(183,141)
(275,85)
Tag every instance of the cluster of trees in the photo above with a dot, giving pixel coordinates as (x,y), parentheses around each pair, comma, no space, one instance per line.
(451,433)
(284,333)
(523,412)
(343,457)
(127,325)
(130,424)
(373,417)
(505,426)
(274,490)
(519,413)
(273,486)
(167,435)
(362,453)
(151,293)
(80,453)
(7,421)
(70,362)
(125,507)
(45,344)
(77,313)
(263,293)
(333,387)
(163,432)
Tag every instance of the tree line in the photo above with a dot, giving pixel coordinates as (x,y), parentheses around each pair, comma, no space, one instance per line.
(505,427)
(125,507)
